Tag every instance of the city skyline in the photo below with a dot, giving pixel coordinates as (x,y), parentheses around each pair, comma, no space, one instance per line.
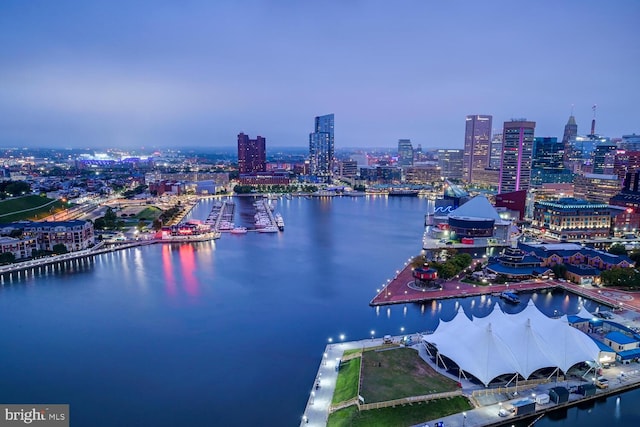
(88,75)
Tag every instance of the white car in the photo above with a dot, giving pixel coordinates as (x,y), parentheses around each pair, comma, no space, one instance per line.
(503,412)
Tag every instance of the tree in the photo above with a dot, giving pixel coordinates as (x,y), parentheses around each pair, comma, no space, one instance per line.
(99,223)
(559,270)
(635,256)
(7,257)
(157,224)
(60,248)
(462,260)
(110,218)
(16,188)
(418,261)
(617,249)
(448,270)
(626,277)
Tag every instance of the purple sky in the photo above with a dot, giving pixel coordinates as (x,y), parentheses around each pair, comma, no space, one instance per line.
(196,73)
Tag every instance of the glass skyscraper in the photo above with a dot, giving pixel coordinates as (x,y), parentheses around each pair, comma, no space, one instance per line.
(405,152)
(321,148)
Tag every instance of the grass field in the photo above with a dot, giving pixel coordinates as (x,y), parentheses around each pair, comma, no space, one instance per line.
(397,373)
(149,213)
(400,416)
(35,207)
(347,381)
(352,351)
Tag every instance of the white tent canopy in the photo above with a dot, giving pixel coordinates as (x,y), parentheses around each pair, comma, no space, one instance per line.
(508,344)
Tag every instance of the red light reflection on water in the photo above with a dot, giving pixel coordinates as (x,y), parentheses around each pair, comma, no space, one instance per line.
(188,264)
(167,268)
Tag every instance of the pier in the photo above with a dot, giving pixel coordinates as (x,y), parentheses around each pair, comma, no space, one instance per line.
(400,290)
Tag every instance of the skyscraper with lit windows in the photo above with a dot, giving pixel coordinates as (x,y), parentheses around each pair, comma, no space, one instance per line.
(405,152)
(252,154)
(477,145)
(321,148)
(517,151)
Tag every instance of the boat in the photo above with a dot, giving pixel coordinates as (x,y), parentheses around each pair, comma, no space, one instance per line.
(269,229)
(279,222)
(225,225)
(239,230)
(404,193)
(510,297)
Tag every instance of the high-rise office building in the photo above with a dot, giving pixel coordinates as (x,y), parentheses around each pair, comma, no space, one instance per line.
(496,151)
(252,154)
(548,162)
(321,148)
(405,152)
(570,132)
(450,162)
(477,145)
(626,161)
(548,153)
(596,187)
(603,158)
(517,150)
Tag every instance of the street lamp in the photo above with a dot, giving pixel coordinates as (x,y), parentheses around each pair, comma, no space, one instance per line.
(341,337)
(372,334)
(464,418)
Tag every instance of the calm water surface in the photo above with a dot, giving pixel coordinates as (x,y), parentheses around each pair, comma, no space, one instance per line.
(226,333)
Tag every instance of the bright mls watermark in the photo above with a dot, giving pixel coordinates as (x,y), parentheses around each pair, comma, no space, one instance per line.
(36,415)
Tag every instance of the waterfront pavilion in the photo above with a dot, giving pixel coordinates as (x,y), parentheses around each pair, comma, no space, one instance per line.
(509,346)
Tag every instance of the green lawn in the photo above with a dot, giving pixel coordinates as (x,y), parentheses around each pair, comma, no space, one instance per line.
(149,213)
(27,202)
(347,381)
(399,416)
(397,373)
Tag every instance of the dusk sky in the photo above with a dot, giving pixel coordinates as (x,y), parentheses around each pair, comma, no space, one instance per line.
(196,73)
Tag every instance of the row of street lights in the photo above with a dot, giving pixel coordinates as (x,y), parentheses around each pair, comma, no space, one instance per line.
(373,333)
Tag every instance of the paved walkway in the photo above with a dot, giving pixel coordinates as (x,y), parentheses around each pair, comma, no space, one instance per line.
(317,411)
(399,291)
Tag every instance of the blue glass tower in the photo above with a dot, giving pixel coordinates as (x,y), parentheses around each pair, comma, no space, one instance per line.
(321,147)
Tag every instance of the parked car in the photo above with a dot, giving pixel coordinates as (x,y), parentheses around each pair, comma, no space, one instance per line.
(602,382)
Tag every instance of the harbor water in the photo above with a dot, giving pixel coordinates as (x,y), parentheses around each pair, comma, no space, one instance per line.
(229,332)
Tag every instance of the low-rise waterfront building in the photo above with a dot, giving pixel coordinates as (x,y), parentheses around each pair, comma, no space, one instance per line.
(569,219)
(19,247)
(74,235)
(583,265)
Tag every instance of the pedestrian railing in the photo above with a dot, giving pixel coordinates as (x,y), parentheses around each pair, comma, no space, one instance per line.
(408,400)
(342,405)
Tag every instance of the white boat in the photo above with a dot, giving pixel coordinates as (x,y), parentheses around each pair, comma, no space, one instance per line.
(279,221)
(225,225)
(269,229)
(239,230)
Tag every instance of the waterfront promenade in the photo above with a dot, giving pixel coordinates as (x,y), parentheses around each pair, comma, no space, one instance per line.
(399,290)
